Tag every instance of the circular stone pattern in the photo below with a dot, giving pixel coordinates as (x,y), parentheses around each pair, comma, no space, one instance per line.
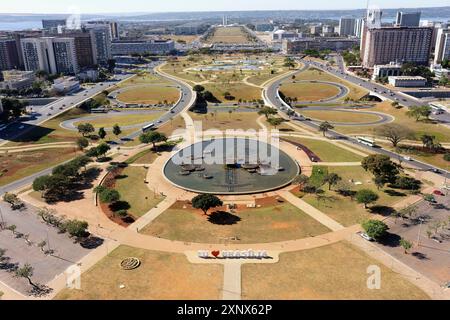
(231,166)
(130,263)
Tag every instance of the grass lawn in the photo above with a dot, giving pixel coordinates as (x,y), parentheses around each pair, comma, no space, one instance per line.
(441,132)
(343,209)
(143,157)
(161,276)
(225,120)
(108,121)
(270,223)
(133,190)
(149,95)
(186,38)
(304,91)
(340,116)
(237,90)
(145,78)
(355,93)
(229,35)
(176,123)
(22,164)
(326,151)
(337,271)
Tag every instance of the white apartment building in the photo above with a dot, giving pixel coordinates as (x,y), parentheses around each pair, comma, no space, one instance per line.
(101,42)
(407,82)
(442,50)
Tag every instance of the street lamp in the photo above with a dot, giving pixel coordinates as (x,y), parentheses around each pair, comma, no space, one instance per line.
(420,229)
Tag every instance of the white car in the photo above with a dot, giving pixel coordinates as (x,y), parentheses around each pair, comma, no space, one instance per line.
(407,158)
(365,236)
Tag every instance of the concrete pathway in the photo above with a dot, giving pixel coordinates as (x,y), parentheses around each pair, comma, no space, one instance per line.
(232,281)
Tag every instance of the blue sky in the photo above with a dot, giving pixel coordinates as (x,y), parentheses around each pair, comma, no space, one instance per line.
(124,6)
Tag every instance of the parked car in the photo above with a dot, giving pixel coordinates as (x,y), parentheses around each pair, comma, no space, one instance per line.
(365,236)
(438,193)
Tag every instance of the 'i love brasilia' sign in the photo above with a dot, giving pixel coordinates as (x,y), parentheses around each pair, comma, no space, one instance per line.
(236,254)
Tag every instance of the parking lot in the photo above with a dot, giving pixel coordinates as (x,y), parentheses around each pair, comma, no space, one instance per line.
(19,251)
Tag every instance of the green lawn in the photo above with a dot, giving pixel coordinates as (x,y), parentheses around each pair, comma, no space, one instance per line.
(143,157)
(270,223)
(149,95)
(326,151)
(343,209)
(333,272)
(133,190)
(108,121)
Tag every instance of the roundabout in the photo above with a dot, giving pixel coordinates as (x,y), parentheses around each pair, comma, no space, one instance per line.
(231,166)
(313,91)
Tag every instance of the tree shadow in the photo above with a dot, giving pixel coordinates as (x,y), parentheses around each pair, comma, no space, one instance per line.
(394,193)
(382,210)
(91,242)
(119,205)
(390,240)
(223,218)
(420,256)
(120,177)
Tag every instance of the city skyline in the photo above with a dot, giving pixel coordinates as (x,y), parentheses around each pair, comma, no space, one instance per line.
(133,6)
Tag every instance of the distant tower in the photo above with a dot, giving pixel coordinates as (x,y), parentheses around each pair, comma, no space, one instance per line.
(374,18)
(223,21)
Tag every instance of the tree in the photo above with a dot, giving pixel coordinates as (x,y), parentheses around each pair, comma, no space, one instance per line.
(111,65)
(76,228)
(381,167)
(85,129)
(275,122)
(102,133)
(198,88)
(102,149)
(26,272)
(117,130)
(366,196)
(82,143)
(153,137)
(395,133)
(206,202)
(375,229)
(109,196)
(332,179)
(419,111)
(267,112)
(406,245)
(325,127)
(447,156)
(429,142)
(301,180)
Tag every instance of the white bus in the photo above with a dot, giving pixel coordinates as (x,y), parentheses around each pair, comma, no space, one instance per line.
(148,127)
(366,141)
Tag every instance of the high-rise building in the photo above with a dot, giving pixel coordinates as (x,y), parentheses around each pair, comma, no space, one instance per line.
(38,54)
(114,30)
(9,56)
(358,27)
(101,42)
(393,44)
(408,19)
(442,50)
(53,24)
(347,27)
(65,55)
(83,47)
(54,55)
(373,19)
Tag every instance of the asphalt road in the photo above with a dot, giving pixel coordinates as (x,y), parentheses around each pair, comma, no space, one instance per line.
(272,97)
(184,103)
(44,113)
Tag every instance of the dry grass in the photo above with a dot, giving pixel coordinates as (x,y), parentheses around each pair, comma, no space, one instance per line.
(161,276)
(270,223)
(149,95)
(224,120)
(229,35)
(305,91)
(237,90)
(337,271)
(122,120)
(340,116)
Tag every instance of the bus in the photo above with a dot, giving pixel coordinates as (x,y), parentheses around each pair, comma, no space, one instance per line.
(148,127)
(366,141)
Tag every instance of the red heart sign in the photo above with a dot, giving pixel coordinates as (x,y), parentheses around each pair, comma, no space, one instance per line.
(215,253)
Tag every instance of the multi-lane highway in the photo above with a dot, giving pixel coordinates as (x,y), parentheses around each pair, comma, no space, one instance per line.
(272,98)
(187,99)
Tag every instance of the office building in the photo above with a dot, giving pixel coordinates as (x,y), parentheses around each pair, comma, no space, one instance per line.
(347,27)
(315,30)
(385,45)
(142,47)
(17,80)
(327,31)
(280,35)
(359,23)
(53,24)
(294,46)
(407,81)
(387,70)
(9,56)
(83,47)
(101,42)
(407,19)
(442,49)
(65,55)
(373,18)
(53,55)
